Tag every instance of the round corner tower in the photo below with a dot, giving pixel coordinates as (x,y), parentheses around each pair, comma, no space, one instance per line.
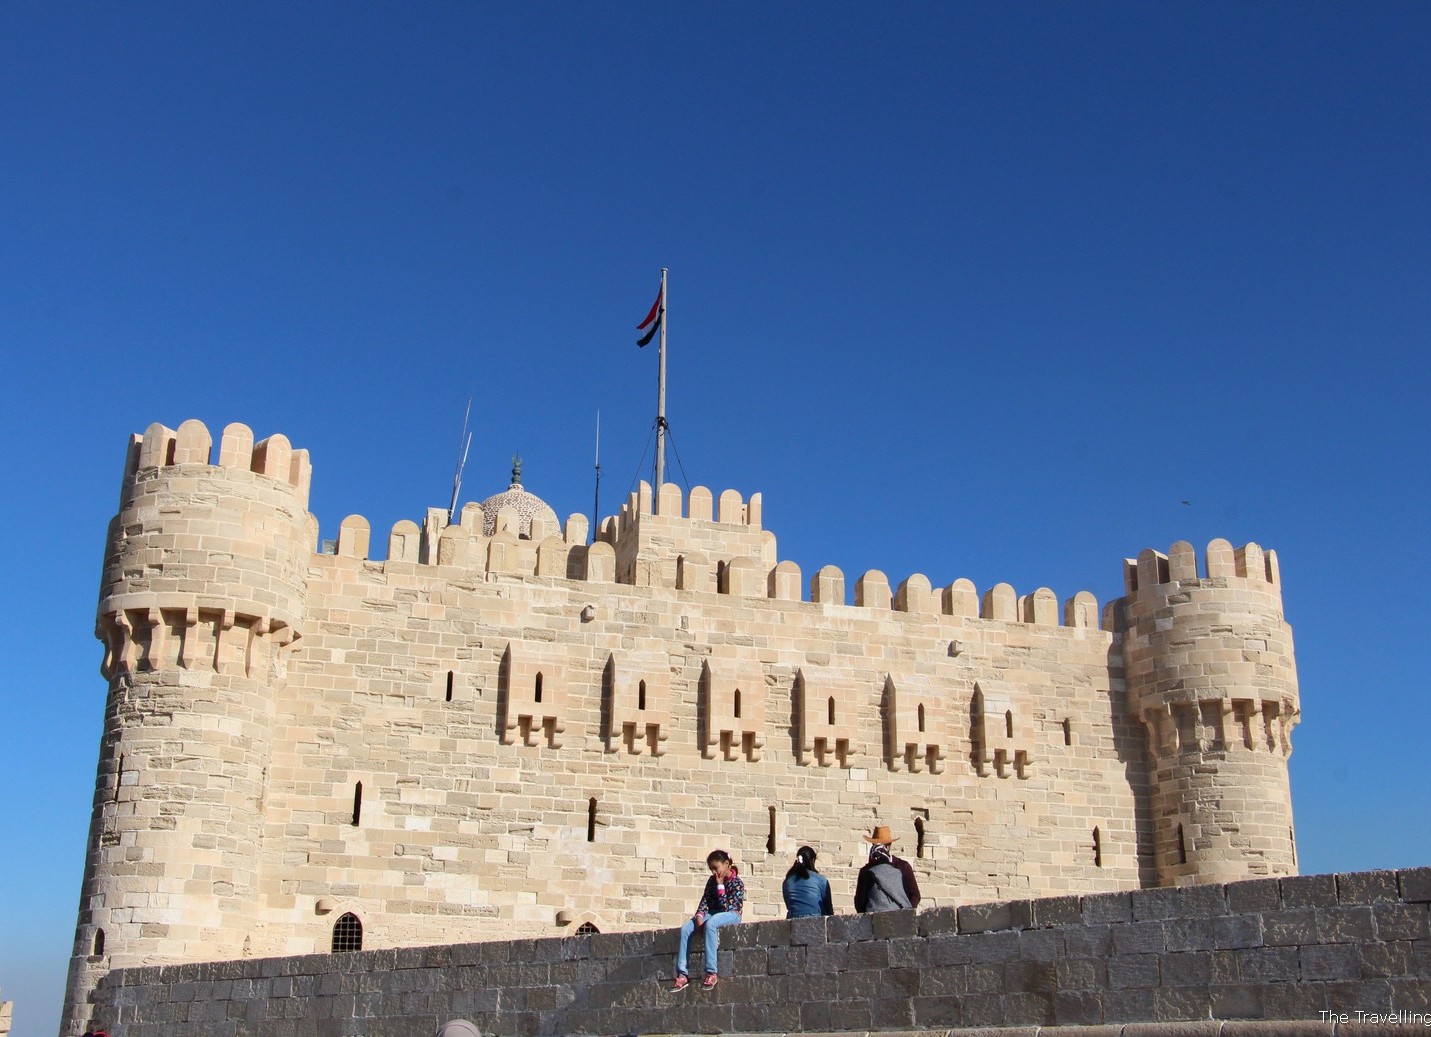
(1211,677)
(201,600)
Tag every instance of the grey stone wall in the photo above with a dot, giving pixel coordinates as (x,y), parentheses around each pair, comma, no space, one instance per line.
(1300,952)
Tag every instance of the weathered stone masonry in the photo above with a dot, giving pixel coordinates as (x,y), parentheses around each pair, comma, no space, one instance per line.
(1280,950)
(500,730)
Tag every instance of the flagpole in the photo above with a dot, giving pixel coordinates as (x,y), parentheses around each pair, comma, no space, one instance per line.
(661,394)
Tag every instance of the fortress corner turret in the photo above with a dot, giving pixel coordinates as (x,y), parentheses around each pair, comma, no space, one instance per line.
(1210,674)
(201,601)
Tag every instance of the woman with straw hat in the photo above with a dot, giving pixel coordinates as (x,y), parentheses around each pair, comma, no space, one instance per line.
(885,883)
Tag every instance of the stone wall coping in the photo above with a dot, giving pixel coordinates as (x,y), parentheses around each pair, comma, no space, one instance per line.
(1294,893)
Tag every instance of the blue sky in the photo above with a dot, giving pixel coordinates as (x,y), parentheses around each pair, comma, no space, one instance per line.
(979,290)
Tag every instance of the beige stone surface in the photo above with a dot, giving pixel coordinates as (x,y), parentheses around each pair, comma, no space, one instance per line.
(453,743)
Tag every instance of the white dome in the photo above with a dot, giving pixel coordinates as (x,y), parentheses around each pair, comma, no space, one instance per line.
(528,506)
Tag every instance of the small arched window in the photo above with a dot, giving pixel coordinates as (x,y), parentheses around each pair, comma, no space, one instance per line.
(1008,723)
(357,803)
(1097,847)
(347,934)
(587,929)
(640,702)
(450,679)
(98,942)
(921,718)
(538,697)
(770,837)
(591,820)
(737,703)
(1182,846)
(830,711)
(1067,731)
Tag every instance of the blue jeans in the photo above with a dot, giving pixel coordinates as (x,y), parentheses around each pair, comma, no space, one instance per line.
(712,927)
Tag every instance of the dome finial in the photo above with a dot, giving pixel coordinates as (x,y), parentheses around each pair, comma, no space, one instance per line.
(516,470)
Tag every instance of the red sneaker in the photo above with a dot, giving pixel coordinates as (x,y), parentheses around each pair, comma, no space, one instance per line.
(681,983)
(709,982)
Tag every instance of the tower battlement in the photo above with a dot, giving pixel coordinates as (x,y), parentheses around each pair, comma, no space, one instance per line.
(191,444)
(1221,561)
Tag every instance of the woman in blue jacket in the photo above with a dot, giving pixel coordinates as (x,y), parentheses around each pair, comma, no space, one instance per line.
(805,890)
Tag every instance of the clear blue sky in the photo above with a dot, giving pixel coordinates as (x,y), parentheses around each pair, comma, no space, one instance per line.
(980,290)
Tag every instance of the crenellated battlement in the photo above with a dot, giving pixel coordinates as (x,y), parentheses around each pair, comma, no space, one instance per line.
(461,545)
(729,509)
(191,444)
(1221,561)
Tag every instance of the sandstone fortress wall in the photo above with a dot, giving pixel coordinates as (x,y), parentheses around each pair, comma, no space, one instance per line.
(503,731)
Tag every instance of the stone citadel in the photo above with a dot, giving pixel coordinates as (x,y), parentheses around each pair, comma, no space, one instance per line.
(503,730)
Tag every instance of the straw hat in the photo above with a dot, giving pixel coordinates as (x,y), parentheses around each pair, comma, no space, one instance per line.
(881,836)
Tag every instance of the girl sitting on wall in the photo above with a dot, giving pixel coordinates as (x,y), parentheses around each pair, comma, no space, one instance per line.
(720,905)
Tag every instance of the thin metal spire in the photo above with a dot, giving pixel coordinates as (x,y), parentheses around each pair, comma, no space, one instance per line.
(596,504)
(464,443)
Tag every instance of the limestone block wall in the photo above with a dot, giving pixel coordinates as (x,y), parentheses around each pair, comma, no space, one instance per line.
(1321,954)
(414,681)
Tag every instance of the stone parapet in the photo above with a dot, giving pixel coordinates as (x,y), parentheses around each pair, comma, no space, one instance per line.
(1329,954)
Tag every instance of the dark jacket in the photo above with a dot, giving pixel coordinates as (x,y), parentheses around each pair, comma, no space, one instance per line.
(883,885)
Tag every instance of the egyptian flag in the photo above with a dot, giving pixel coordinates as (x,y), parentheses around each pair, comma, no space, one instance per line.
(652,323)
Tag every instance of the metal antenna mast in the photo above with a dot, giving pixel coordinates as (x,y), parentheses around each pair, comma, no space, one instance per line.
(464,443)
(596,504)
